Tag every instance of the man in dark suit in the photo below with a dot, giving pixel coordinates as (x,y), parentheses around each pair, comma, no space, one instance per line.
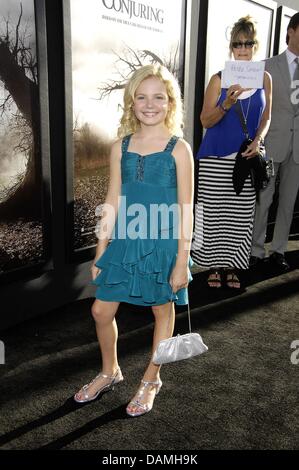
(282,145)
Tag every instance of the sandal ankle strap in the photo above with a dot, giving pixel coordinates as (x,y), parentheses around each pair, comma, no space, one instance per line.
(146,383)
(105,376)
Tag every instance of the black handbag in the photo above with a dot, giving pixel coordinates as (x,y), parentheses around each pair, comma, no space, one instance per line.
(260,168)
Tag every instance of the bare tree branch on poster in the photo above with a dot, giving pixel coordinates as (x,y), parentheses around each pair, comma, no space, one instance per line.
(18,74)
(23,131)
(133,60)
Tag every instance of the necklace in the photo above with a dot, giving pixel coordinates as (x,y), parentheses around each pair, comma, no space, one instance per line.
(245,116)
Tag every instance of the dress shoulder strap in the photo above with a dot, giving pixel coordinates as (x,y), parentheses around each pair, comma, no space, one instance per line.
(125,143)
(171,143)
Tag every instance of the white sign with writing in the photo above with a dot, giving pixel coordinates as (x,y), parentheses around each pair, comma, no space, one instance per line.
(246,73)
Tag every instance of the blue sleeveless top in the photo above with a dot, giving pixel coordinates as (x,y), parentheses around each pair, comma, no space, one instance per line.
(226,137)
(146,180)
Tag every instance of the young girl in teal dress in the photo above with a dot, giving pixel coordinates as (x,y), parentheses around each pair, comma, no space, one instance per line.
(147,262)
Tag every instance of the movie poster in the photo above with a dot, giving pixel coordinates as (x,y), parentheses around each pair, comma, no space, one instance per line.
(111,39)
(21,237)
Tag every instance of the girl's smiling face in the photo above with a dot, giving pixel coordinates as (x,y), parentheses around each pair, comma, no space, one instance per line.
(151,102)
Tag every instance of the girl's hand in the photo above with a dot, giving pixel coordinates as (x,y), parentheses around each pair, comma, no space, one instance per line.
(179,277)
(95,271)
(252,150)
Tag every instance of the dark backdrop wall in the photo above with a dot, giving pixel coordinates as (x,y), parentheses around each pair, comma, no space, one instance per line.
(48,264)
(39,268)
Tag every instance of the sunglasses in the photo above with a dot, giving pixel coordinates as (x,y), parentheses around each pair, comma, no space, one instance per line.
(240,44)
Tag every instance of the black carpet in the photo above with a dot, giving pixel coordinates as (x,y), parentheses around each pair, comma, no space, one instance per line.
(241,394)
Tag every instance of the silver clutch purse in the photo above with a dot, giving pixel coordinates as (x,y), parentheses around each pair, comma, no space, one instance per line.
(179,347)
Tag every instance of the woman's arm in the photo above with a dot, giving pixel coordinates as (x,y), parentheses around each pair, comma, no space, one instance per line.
(185,187)
(253,148)
(211,113)
(110,207)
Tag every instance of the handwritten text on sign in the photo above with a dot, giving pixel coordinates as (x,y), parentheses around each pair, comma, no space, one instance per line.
(246,73)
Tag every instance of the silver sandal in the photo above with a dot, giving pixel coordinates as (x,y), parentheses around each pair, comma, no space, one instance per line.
(114,379)
(145,407)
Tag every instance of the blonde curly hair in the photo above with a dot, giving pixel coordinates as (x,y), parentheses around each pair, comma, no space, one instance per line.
(174,119)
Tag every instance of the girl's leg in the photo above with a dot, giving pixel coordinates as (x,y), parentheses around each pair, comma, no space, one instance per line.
(107,333)
(164,325)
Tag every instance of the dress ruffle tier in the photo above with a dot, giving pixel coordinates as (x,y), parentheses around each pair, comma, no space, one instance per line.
(140,269)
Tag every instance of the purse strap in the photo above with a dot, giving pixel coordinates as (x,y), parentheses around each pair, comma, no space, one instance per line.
(238,110)
(189,316)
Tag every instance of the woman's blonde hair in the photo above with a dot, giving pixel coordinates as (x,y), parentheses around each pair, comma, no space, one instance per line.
(246,26)
(174,118)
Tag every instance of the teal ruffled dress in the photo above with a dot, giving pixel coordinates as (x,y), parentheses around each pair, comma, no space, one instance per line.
(137,264)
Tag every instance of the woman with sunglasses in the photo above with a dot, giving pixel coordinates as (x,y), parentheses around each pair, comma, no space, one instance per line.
(223,219)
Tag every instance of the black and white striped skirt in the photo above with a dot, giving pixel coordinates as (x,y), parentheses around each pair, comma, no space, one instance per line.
(223,220)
